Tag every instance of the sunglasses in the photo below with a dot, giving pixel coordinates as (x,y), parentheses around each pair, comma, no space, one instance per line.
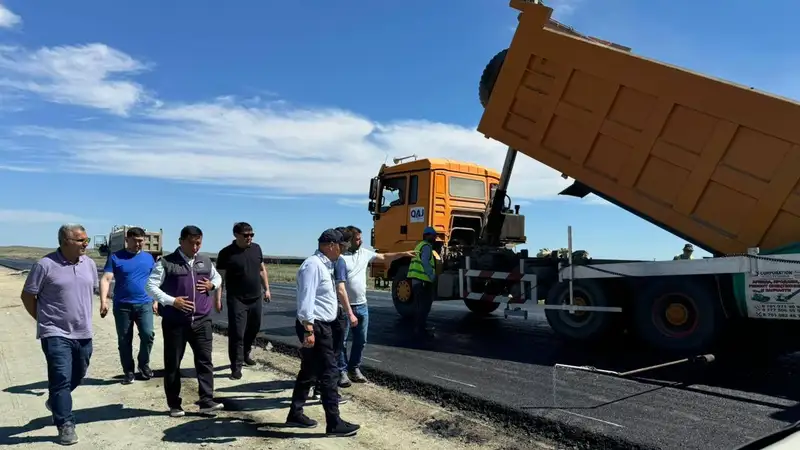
(247,235)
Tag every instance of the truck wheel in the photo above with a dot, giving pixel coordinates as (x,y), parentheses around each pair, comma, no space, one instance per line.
(581,325)
(489,77)
(678,315)
(481,307)
(401,294)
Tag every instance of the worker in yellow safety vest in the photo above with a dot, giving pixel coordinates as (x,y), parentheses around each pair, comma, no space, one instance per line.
(422,274)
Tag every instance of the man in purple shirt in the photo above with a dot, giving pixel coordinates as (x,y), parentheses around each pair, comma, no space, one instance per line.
(58,295)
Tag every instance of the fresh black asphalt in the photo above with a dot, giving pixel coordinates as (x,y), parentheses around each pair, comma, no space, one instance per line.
(511,362)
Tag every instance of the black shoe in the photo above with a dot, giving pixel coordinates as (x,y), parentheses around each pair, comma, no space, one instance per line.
(314,394)
(248,360)
(145,372)
(343,429)
(128,378)
(300,421)
(67,434)
(210,406)
(236,375)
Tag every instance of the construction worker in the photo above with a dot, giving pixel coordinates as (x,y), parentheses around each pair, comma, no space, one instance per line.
(422,275)
(687,252)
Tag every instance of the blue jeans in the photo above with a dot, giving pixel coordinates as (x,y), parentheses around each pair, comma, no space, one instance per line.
(359,339)
(125,316)
(67,362)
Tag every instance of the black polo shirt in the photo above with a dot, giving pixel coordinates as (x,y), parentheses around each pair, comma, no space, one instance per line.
(242,268)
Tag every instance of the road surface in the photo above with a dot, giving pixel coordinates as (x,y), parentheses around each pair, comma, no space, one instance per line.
(113,416)
(511,362)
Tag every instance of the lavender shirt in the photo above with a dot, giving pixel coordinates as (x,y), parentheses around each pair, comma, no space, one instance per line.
(64,291)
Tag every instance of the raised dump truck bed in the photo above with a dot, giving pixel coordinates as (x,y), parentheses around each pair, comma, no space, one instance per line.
(713,162)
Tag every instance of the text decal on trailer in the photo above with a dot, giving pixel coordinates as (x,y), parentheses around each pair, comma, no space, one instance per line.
(418,214)
(773,294)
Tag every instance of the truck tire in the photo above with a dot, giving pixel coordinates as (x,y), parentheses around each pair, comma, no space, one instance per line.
(480,307)
(489,77)
(401,294)
(583,325)
(678,314)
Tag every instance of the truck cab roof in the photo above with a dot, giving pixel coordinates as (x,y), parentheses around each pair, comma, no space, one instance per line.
(440,164)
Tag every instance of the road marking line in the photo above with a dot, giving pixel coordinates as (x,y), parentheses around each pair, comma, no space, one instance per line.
(591,418)
(455,381)
(372,359)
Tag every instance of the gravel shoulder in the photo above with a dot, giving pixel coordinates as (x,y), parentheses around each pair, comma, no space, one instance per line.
(113,416)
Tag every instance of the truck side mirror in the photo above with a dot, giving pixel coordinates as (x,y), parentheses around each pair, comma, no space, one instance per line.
(373,189)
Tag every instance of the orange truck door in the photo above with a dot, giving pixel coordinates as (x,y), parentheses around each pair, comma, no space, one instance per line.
(394,217)
(418,205)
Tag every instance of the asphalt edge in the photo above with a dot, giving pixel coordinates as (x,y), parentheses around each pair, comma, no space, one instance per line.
(450,399)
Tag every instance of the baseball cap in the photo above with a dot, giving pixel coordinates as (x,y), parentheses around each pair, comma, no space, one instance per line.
(688,247)
(428,230)
(330,236)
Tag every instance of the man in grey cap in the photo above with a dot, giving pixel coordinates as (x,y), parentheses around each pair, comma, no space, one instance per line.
(317,312)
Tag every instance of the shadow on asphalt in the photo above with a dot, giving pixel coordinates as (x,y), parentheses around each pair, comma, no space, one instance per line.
(10,435)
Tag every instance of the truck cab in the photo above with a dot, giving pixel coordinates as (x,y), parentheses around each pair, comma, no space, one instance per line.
(450,196)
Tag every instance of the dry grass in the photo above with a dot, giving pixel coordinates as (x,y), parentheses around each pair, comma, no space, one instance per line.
(279,273)
(35,253)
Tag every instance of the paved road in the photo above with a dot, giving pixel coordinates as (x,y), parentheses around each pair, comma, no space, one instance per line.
(512,362)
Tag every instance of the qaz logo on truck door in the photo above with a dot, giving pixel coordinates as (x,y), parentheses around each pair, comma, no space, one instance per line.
(417,214)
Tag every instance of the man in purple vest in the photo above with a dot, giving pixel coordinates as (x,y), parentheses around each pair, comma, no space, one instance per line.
(181,283)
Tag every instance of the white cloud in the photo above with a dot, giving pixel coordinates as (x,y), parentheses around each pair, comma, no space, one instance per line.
(80,75)
(20,168)
(8,19)
(22,216)
(353,202)
(270,147)
(563,8)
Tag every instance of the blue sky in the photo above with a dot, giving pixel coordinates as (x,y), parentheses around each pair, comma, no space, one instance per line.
(163,114)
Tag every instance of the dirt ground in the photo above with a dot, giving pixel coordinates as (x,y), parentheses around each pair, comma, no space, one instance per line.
(110,415)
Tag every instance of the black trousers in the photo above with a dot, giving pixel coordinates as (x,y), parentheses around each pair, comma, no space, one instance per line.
(422,292)
(244,323)
(337,330)
(318,363)
(200,337)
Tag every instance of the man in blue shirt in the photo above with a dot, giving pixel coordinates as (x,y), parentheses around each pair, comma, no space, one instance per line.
(130,268)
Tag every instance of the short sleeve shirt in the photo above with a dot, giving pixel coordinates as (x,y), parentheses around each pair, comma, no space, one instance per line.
(357,263)
(64,292)
(242,268)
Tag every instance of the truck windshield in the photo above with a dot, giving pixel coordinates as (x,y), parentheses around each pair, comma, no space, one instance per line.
(467,188)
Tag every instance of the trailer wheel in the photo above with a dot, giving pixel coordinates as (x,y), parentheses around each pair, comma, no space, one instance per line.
(401,293)
(679,315)
(481,307)
(581,325)
(489,77)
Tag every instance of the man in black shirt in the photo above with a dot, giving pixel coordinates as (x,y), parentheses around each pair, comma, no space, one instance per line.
(246,283)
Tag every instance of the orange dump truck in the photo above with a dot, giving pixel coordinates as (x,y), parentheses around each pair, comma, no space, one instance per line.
(712,162)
